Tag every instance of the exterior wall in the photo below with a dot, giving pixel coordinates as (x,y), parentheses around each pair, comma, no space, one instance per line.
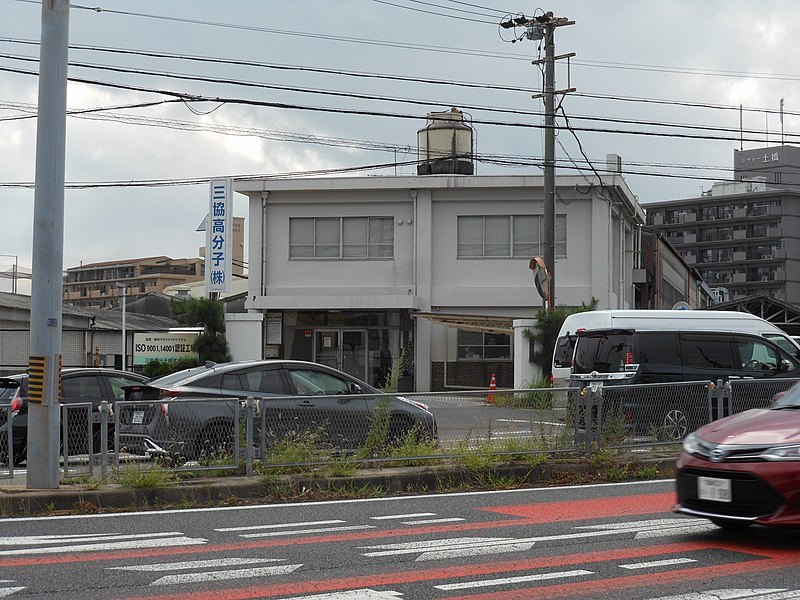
(776,165)
(243,332)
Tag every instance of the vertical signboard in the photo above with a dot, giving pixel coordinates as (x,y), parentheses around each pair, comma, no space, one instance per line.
(219,236)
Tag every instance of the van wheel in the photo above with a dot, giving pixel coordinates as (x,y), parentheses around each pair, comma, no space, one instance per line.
(675,425)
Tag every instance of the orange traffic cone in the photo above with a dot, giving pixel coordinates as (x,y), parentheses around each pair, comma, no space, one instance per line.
(492,388)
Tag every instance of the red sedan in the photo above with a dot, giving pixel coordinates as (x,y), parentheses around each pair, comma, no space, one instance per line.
(745,468)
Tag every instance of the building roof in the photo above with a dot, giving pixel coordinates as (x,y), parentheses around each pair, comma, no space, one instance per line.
(104,318)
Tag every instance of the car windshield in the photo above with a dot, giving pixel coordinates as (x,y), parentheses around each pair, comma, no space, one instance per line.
(8,387)
(791,399)
(602,352)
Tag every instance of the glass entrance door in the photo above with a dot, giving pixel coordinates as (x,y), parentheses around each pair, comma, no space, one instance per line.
(343,349)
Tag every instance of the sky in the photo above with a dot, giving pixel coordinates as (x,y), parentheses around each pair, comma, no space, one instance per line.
(180,92)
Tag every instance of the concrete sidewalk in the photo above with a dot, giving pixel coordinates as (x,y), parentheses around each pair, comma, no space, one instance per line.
(17,500)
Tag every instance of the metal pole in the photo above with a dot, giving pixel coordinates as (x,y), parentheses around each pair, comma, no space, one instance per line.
(549,228)
(48,249)
(124,331)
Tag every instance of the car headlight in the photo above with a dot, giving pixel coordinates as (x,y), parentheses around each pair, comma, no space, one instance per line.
(413,402)
(791,452)
(691,445)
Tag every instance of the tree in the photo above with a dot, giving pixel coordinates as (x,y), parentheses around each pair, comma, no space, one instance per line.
(548,325)
(210,314)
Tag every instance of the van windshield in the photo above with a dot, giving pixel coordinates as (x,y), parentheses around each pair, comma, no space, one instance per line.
(604,353)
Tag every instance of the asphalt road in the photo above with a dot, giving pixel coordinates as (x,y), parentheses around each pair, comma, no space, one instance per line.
(608,541)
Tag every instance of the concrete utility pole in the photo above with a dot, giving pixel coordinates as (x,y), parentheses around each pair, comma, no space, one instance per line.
(48,250)
(538,28)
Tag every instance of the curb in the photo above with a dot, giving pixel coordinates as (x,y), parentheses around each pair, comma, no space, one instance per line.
(289,488)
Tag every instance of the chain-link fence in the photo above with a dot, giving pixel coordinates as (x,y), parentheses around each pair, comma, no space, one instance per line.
(286,432)
(6,442)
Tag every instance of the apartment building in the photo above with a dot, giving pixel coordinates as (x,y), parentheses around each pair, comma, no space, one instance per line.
(97,285)
(743,238)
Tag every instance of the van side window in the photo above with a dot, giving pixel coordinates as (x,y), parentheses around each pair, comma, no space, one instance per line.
(659,348)
(707,352)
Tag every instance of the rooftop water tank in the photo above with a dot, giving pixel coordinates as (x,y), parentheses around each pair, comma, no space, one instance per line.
(445,145)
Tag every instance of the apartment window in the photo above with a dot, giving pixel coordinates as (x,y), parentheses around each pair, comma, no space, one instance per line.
(507,236)
(341,237)
(476,345)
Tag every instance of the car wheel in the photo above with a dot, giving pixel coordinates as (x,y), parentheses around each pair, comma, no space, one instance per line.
(731,525)
(675,425)
(215,443)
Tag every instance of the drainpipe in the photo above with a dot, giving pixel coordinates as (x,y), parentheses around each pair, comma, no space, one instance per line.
(264,196)
(414,194)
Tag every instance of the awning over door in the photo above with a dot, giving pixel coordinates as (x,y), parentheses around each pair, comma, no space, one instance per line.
(479,323)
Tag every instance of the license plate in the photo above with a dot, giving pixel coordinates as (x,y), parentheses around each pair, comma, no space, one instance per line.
(714,488)
(138,417)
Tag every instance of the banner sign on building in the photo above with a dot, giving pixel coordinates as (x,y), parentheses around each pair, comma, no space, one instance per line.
(219,236)
(162,346)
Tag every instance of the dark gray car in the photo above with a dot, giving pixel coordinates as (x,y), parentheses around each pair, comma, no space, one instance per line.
(298,398)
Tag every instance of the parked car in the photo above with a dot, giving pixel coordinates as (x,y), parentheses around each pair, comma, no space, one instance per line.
(299,398)
(78,384)
(742,469)
(626,357)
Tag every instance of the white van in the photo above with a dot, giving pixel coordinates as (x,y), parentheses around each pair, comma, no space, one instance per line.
(658,320)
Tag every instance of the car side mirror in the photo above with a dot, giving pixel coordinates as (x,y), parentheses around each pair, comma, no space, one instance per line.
(784,365)
(355,388)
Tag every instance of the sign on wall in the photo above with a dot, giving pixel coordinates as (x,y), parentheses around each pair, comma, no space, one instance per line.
(165,347)
(219,236)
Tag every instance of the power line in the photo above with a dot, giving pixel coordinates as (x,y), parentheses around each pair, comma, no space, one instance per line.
(395,77)
(317,91)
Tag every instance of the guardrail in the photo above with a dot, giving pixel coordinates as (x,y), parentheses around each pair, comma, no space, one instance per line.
(283,433)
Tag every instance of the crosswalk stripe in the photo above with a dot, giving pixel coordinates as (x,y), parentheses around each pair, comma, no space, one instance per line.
(306,531)
(195,564)
(511,580)
(281,525)
(225,575)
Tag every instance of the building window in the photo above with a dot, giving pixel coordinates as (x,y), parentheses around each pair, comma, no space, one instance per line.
(341,237)
(476,345)
(507,236)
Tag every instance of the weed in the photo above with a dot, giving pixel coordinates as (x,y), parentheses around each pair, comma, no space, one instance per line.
(139,476)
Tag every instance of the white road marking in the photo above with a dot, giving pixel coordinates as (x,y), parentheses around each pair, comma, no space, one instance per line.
(9,590)
(225,575)
(195,564)
(658,563)
(735,594)
(34,540)
(452,548)
(306,531)
(365,594)
(431,521)
(408,516)
(653,528)
(120,545)
(281,525)
(511,580)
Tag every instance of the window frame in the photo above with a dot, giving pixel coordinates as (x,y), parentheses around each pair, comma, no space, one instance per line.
(517,246)
(374,242)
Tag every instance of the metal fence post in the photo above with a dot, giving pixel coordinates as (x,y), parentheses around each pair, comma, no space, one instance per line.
(248,465)
(105,410)
(719,390)
(65,437)
(262,431)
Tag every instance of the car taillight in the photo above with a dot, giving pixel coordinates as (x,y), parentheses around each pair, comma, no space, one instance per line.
(16,406)
(165,409)
(552,380)
(168,394)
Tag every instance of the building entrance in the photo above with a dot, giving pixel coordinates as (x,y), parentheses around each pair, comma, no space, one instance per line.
(343,349)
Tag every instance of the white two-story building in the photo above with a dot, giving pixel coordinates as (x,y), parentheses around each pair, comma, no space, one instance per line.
(354,272)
